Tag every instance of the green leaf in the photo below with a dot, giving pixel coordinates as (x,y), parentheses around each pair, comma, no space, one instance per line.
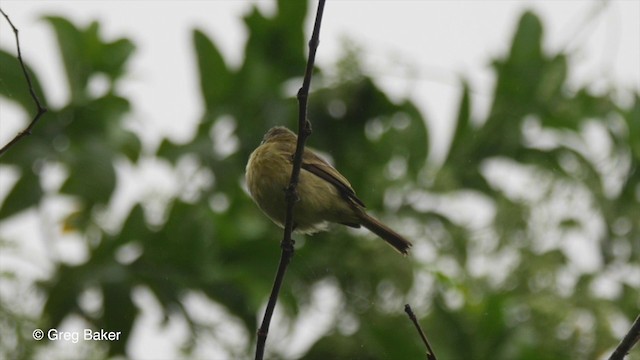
(215,79)
(119,313)
(26,193)
(113,56)
(519,74)
(275,45)
(85,54)
(463,130)
(14,86)
(91,174)
(632,118)
(527,42)
(63,291)
(71,42)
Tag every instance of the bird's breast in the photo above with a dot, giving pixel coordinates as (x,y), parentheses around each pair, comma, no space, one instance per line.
(268,173)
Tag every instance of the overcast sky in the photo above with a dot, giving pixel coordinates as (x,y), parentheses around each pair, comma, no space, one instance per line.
(413,48)
(416,49)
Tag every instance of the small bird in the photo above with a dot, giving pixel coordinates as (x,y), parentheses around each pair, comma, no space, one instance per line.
(325,196)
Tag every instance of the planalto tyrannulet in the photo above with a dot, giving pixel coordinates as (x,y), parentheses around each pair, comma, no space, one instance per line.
(324,194)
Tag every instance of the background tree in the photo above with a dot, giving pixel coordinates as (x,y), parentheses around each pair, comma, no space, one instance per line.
(554,169)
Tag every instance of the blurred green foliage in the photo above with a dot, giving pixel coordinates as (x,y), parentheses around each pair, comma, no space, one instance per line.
(217,243)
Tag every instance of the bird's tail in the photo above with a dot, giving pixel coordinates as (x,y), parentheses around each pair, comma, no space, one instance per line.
(385,233)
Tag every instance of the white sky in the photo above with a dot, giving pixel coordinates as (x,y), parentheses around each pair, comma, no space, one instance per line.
(438,40)
(413,48)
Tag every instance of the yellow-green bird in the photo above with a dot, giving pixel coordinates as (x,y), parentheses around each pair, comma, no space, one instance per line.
(324,194)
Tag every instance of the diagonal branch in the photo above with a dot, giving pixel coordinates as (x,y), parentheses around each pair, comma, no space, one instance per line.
(304,130)
(40,108)
(632,337)
(430,354)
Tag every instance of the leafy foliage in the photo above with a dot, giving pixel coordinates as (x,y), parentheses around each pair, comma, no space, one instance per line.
(510,288)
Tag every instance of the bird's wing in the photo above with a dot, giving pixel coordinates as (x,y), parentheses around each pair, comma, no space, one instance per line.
(319,167)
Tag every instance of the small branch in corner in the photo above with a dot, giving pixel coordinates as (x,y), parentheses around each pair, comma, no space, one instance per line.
(40,108)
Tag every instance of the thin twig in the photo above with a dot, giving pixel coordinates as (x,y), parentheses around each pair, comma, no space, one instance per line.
(304,130)
(627,343)
(430,354)
(40,108)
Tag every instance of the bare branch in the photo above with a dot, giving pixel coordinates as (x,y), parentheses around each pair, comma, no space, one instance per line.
(40,108)
(430,354)
(629,341)
(304,130)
